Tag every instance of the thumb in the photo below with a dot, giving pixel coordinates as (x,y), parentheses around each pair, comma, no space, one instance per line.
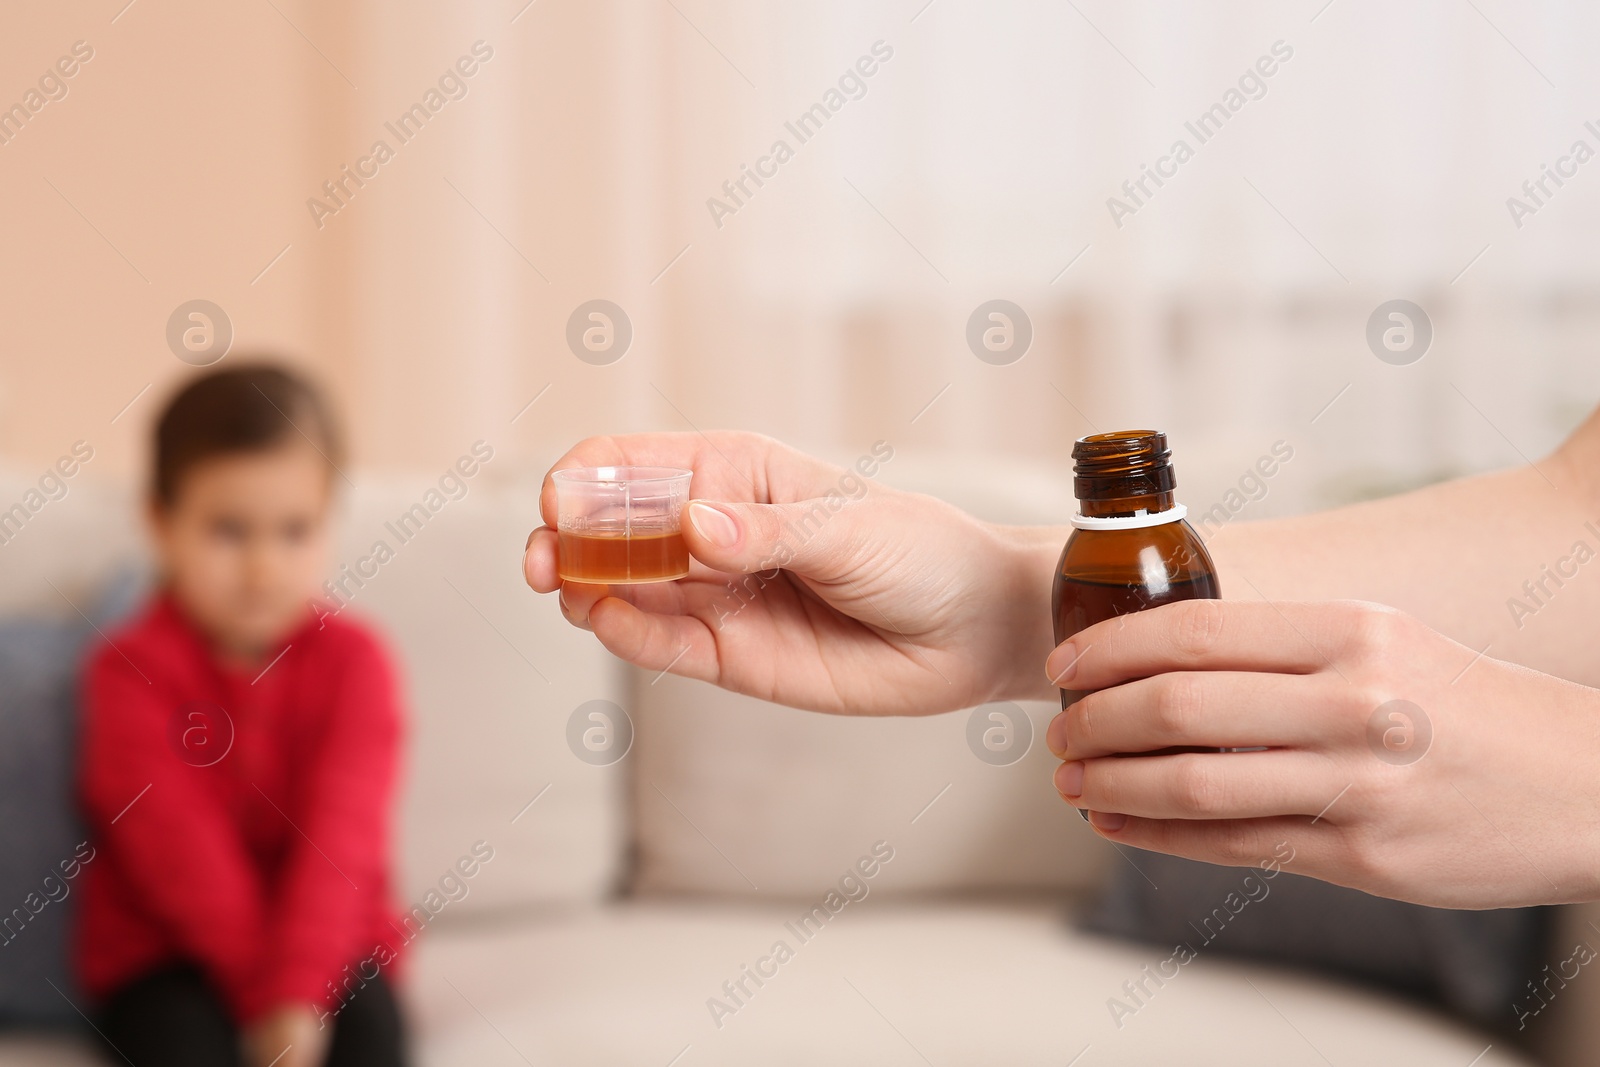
(809,537)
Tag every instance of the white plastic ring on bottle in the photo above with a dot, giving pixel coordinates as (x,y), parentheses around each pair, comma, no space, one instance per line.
(1137,521)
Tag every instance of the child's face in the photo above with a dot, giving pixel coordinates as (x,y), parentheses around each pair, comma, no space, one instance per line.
(245,541)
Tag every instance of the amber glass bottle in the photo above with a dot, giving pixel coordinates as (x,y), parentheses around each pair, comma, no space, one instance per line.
(1130,547)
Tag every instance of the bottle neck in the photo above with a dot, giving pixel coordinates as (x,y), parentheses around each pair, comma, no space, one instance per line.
(1125,473)
(1107,507)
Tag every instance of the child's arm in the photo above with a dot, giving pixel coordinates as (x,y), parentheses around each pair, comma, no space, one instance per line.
(163,832)
(320,919)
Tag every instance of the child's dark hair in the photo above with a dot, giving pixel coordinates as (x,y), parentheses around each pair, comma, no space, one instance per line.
(252,407)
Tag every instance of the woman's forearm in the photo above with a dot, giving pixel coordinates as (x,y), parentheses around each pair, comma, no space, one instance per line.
(1508,561)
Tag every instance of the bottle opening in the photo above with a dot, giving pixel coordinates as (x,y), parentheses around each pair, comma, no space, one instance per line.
(1124,465)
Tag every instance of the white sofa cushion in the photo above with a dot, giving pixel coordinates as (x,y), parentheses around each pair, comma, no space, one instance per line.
(957,983)
(75,542)
(737,796)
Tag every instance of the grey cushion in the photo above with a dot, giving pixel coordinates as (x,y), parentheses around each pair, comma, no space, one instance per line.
(39,826)
(1472,963)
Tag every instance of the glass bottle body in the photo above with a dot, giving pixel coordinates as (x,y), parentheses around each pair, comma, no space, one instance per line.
(1122,557)
(1106,573)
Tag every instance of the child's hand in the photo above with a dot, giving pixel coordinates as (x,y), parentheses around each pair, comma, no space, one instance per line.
(289,1035)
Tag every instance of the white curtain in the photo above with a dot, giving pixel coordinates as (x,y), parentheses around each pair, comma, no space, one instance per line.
(1230,308)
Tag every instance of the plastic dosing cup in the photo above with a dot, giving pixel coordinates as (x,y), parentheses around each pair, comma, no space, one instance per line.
(621,525)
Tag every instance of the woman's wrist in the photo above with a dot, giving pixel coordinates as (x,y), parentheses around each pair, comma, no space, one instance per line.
(1027,561)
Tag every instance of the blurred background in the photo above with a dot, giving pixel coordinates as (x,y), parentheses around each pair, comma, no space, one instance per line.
(830,307)
(529,221)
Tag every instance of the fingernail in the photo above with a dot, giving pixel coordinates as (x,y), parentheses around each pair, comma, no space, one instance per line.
(1056,735)
(1108,821)
(1062,664)
(566,608)
(713,524)
(1069,779)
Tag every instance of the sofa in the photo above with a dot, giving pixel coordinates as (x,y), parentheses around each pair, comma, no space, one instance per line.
(682,877)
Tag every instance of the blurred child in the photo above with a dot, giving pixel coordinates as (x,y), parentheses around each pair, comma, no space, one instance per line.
(239,761)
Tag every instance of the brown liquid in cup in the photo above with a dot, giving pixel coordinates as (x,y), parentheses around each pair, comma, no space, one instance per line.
(621,560)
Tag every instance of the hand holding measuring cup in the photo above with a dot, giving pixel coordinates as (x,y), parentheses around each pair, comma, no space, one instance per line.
(808,584)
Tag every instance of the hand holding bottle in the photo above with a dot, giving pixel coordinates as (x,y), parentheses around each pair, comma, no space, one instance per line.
(815,587)
(1478,791)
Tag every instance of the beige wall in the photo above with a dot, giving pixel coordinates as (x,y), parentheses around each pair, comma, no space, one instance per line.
(191,142)
(177,150)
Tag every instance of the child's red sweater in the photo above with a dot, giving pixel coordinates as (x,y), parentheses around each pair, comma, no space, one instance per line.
(267,868)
